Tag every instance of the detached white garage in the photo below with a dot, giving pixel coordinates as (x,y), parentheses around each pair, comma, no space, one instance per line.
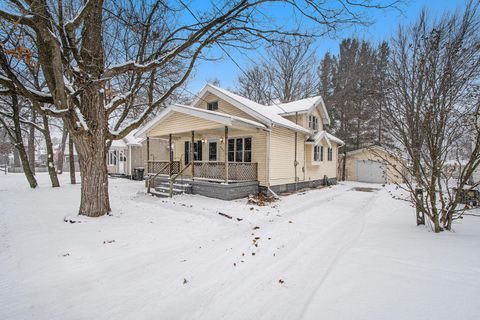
(371,171)
(367,165)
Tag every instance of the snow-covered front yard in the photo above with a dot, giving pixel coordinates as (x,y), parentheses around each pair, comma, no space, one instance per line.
(333,253)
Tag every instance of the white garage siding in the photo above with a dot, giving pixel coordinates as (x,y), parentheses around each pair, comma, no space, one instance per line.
(370,171)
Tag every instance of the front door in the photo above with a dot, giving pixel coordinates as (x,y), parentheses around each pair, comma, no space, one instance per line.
(121,162)
(212,150)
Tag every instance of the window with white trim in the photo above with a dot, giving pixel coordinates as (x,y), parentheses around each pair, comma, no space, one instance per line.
(197,151)
(330,154)
(112,158)
(240,149)
(212,105)
(318,153)
(313,122)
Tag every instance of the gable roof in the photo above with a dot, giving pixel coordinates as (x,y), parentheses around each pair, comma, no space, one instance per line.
(306,105)
(269,115)
(219,117)
(324,135)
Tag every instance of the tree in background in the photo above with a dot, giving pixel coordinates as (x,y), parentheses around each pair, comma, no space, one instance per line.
(433,103)
(285,74)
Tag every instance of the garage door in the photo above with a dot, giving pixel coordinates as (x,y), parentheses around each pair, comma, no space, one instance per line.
(370,171)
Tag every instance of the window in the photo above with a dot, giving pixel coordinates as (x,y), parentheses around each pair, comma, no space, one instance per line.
(329,154)
(313,122)
(212,150)
(212,105)
(317,153)
(240,150)
(112,158)
(197,151)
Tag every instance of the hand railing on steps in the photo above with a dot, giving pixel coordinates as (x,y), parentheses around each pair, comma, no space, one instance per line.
(173,178)
(152,178)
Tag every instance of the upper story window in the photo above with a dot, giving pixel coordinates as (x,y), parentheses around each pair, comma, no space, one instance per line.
(313,122)
(212,105)
(330,154)
(317,153)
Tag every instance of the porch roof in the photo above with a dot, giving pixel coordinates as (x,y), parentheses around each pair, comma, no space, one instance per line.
(217,117)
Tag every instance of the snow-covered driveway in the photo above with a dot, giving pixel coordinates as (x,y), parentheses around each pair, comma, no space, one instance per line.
(334,253)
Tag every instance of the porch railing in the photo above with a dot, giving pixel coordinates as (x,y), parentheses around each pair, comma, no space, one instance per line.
(215,170)
(161,167)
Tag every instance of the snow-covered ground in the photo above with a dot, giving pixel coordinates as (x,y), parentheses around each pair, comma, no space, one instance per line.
(333,253)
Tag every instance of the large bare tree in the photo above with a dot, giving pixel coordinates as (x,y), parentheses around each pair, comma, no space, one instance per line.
(108,65)
(433,104)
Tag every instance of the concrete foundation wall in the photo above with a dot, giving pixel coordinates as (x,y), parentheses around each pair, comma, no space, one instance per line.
(291,187)
(225,191)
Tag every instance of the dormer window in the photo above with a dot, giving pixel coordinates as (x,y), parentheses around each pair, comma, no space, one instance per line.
(313,122)
(212,105)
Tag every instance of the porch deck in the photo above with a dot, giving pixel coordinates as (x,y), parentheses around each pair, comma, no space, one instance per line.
(217,171)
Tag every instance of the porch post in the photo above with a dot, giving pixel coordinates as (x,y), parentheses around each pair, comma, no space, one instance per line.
(226,153)
(192,153)
(170,154)
(148,154)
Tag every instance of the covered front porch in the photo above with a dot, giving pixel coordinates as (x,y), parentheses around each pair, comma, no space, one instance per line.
(208,150)
(219,155)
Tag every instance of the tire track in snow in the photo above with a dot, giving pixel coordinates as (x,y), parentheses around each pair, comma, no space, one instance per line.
(297,256)
(348,244)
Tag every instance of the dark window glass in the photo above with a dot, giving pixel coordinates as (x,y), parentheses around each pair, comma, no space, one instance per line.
(248,144)
(239,150)
(247,156)
(321,153)
(212,105)
(187,152)
(212,151)
(231,150)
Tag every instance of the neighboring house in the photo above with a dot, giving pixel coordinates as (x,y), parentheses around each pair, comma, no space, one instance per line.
(130,152)
(66,157)
(240,147)
(368,165)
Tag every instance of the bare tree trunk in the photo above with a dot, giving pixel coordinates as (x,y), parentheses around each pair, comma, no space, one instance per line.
(31,143)
(61,152)
(20,146)
(71,160)
(94,175)
(344,164)
(48,142)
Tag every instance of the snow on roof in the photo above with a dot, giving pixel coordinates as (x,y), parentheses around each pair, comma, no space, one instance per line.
(128,140)
(320,135)
(297,106)
(267,114)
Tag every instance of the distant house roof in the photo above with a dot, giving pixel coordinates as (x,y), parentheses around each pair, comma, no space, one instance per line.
(219,117)
(129,140)
(369,148)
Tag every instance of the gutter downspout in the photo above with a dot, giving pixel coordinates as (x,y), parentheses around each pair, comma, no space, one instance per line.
(295,163)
